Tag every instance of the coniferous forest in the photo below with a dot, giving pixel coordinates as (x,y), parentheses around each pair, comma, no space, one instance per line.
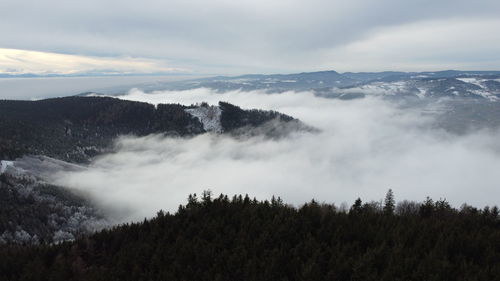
(239,238)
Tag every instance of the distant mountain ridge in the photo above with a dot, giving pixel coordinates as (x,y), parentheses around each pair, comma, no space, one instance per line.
(460,100)
(350,85)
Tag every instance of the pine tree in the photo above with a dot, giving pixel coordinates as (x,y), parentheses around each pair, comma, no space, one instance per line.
(427,208)
(389,203)
(357,207)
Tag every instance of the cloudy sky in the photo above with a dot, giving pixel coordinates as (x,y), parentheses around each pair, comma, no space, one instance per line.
(247,36)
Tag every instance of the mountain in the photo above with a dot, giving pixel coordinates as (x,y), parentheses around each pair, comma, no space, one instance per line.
(421,87)
(460,101)
(77,128)
(333,82)
(48,232)
(39,138)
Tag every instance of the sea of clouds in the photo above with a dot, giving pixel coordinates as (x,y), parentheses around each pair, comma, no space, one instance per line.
(364,147)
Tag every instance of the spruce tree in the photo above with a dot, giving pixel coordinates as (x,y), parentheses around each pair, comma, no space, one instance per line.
(389,202)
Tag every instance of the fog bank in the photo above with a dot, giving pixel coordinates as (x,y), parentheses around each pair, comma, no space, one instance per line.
(365,147)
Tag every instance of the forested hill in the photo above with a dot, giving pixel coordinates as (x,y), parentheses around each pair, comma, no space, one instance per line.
(243,239)
(77,128)
(39,134)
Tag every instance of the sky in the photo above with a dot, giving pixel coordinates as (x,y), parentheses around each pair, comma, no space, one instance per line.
(36,88)
(364,147)
(246,36)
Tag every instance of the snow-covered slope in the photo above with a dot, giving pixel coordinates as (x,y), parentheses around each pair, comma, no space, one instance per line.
(209,116)
(32,211)
(4,165)
(460,87)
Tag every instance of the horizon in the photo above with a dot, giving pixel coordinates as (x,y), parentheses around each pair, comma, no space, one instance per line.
(35,87)
(211,75)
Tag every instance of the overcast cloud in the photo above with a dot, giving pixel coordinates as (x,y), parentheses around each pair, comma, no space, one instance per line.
(366,147)
(43,63)
(231,37)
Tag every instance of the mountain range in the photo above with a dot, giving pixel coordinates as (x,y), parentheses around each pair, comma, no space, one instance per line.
(449,83)
(459,101)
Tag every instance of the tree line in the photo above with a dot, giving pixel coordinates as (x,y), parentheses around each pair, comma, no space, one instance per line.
(240,238)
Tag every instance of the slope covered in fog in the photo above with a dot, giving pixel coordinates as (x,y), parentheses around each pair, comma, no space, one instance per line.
(75,129)
(362,147)
(144,150)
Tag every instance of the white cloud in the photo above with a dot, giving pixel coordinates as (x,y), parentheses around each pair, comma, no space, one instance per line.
(14,61)
(366,146)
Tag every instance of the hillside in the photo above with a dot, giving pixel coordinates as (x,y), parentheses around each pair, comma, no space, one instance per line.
(33,212)
(331,84)
(245,239)
(44,137)
(75,129)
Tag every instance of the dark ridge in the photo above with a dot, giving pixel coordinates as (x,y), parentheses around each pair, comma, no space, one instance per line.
(233,117)
(76,128)
(244,239)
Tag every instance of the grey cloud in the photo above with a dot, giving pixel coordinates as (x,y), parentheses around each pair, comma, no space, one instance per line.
(241,35)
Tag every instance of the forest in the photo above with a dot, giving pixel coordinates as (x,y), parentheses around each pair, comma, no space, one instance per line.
(241,238)
(76,128)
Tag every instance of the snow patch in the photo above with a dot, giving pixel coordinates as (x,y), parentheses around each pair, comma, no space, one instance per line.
(209,116)
(485,94)
(422,93)
(473,81)
(382,88)
(4,164)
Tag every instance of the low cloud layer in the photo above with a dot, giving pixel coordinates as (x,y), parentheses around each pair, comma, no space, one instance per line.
(366,146)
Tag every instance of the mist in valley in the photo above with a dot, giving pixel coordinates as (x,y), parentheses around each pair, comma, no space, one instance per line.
(363,148)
